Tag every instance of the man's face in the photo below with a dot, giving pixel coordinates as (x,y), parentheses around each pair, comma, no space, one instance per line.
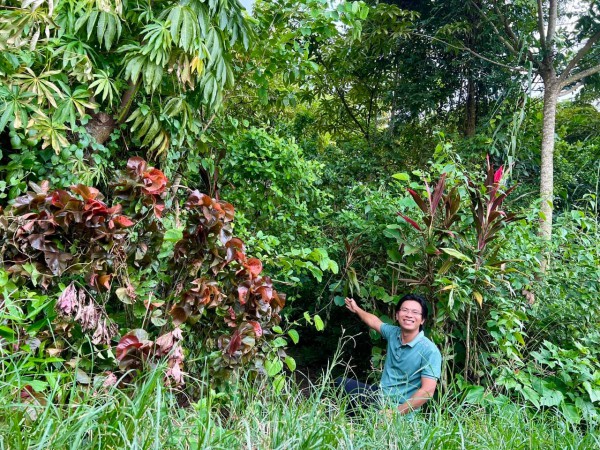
(410,316)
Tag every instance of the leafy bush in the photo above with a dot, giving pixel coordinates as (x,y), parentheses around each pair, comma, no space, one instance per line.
(118,274)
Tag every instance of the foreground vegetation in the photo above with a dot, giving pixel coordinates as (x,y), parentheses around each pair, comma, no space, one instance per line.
(188,192)
(251,417)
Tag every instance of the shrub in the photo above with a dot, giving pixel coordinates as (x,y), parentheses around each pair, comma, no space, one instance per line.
(81,276)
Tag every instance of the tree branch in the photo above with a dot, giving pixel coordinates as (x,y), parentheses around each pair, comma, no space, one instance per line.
(580,75)
(511,47)
(350,113)
(578,57)
(511,34)
(552,17)
(540,15)
(473,52)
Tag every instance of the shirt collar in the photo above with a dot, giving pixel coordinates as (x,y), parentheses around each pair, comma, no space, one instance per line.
(412,343)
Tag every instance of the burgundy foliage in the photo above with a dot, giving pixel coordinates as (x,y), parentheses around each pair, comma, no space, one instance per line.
(210,288)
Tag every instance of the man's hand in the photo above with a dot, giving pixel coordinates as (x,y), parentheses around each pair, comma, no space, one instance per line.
(351,305)
(368,318)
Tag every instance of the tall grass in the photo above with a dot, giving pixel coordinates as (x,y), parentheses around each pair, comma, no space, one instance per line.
(254,416)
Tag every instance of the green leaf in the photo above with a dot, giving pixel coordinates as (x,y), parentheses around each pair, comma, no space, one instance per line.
(273,366)
(290,362)
(319,325)
(456,254)
(173,235)
(279,342)
(570,412)
(339,300)
(402,176)
(475,395)
(37,385)
(175,18)
(593,393)
(279,383)
(294,336)
(123,296)
(307,318)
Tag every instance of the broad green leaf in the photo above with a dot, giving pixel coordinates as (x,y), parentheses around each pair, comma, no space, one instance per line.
(402,176)
(173,235)
(294,336)
(319,325)
(279,342)
(456,254)
(339,300)
(571,413)
(290,362)
(273,366)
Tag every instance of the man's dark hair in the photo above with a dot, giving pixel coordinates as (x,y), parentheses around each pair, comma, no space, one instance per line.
(420,300)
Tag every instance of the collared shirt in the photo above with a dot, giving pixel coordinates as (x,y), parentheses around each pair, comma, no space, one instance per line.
(405,364)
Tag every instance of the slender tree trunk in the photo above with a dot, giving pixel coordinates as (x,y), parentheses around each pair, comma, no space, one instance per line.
(551,91)
(471,106)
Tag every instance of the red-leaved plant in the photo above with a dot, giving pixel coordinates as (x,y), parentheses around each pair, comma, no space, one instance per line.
(106,256)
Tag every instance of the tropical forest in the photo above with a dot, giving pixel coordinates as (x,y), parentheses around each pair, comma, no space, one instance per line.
(212,211)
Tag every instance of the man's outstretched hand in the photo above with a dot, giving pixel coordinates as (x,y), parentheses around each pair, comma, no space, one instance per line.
(351,305)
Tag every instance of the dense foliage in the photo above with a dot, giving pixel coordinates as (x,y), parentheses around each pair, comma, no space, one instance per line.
(370,149)
(118,275)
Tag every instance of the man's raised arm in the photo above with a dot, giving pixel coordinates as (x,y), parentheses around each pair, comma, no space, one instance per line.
(371,320)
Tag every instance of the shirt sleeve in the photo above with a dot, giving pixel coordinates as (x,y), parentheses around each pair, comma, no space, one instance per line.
(432,364)
(387,331)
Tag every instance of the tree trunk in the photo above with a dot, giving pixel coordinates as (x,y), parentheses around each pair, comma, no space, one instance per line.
(471,106)
(101,125)
(547,167)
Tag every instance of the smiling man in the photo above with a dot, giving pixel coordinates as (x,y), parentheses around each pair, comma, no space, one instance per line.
(413,363)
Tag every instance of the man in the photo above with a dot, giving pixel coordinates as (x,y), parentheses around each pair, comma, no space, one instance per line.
(413,363)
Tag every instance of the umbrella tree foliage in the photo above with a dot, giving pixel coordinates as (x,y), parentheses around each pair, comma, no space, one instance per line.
(160,68)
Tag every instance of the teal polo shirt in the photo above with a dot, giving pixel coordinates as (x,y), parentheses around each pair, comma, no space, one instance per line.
(405,364)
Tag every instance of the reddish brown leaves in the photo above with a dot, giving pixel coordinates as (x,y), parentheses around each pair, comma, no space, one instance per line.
(132,340)
(154,181)
(46,221)
(486,202)
(221,292)
(254,267)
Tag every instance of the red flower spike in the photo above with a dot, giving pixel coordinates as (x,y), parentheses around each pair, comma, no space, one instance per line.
(498,174)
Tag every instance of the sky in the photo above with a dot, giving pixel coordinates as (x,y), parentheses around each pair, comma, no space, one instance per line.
(247,4)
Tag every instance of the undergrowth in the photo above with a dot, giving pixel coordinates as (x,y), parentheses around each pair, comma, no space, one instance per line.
(251,415)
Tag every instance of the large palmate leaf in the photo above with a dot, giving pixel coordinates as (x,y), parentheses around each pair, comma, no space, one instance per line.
(40,85)
(74,104)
